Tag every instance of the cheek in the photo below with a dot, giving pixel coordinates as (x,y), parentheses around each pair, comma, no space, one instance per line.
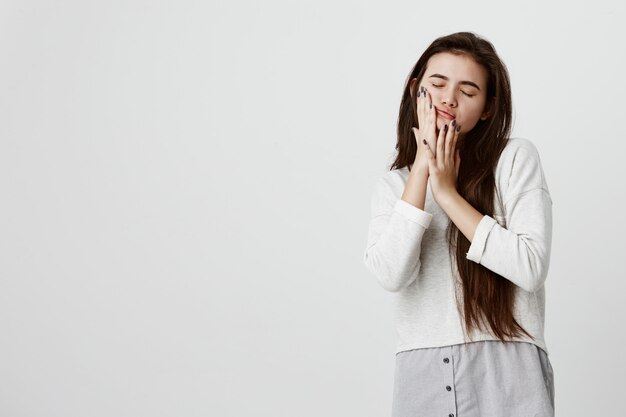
(477,109)
(470,114)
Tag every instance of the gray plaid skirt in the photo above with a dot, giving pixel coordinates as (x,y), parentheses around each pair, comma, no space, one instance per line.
(477,379)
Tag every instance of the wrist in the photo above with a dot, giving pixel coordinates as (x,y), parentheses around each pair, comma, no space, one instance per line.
(446,199)
(419,170)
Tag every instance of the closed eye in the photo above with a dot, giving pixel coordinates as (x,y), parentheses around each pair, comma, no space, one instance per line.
(439,86)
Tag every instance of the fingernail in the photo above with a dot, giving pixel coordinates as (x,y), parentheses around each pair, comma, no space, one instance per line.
(422,88)
(445,128)
(458,128)
(453,123)
(418,93)
(424,140)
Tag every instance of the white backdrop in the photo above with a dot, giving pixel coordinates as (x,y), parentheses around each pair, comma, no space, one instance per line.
(185,195)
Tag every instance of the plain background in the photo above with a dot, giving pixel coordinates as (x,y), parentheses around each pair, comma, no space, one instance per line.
(185,192)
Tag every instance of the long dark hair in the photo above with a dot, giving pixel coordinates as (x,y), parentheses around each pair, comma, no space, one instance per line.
(487,296)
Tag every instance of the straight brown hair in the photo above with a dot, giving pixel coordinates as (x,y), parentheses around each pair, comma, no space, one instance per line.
(488,298)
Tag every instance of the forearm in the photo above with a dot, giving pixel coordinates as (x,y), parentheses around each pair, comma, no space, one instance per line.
(520,252)
(462,214)
(415,187)
(394,239)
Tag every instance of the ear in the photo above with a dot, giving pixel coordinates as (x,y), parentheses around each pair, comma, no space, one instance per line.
(488,110)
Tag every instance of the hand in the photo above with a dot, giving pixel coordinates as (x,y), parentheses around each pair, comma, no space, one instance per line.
(427,122)
(443,165)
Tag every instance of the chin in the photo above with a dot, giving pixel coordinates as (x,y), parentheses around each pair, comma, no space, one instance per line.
(441,122)
(440,126)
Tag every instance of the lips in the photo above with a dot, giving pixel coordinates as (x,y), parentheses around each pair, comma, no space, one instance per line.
(444,114)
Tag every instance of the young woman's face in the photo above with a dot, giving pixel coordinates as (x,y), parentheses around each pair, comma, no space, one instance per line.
(458,90)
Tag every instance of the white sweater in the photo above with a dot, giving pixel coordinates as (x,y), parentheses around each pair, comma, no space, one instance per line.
(408,253)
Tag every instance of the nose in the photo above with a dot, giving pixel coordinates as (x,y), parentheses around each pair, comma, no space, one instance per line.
(448,97)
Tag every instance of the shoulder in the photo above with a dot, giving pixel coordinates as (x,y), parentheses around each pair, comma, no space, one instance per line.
(519,168)
(392,182)
(388,188)
(518,147)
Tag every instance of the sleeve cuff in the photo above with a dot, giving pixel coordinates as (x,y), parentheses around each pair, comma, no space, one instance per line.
(477,247)
(413,213)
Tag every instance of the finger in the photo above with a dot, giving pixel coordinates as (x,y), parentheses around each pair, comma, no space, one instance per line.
(448,146)
(452,137)
(432,117)
(429,154)
(419,98)
(455,131)
(423,116)
(432,161)
(417,109)
(414,92)
(441,141)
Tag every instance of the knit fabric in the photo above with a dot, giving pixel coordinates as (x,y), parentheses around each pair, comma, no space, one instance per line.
(408,254)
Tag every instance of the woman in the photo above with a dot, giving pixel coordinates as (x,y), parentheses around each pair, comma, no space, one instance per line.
(460,232)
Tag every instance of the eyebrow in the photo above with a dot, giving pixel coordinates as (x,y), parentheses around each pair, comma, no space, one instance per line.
(473,84)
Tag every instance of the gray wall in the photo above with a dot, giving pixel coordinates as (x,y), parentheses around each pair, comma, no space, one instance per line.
(185,199)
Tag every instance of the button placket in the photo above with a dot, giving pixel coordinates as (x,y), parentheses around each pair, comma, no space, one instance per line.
(447,364)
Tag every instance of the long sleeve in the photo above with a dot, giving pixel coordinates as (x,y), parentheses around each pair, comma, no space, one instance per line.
(394,238)
(521,251)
